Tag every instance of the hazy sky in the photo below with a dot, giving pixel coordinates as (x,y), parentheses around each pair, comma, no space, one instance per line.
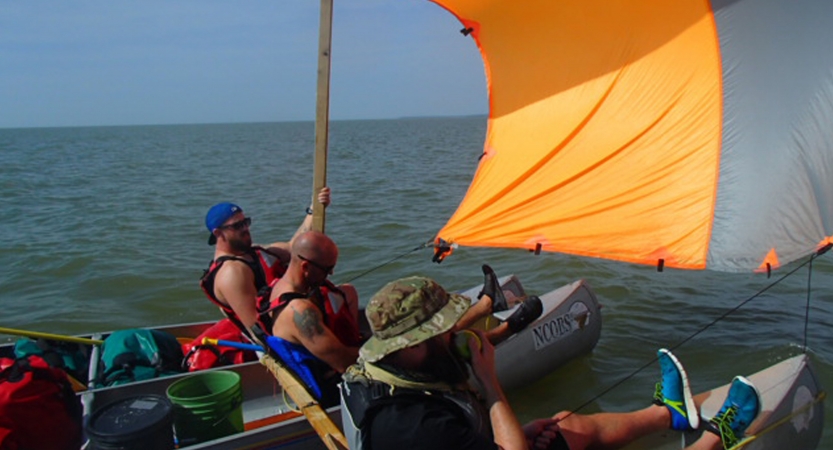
(119,62)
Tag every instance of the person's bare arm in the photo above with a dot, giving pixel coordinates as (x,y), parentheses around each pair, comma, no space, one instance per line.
(282,249)
(476,311)
(506,429)
(306,225)
(311,332)
(235,286)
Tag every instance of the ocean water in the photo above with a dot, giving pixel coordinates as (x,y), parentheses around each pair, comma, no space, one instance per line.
(103,229)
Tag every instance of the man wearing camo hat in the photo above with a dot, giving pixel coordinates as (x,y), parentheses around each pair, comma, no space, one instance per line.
(409,389)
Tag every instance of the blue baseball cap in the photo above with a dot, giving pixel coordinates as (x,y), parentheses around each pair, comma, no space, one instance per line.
(217,216)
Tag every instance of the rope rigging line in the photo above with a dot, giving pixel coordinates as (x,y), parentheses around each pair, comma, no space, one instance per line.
(807,308)
(709,325)
(395,258)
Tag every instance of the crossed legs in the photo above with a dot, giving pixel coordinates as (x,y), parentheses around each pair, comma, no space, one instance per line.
(673,408)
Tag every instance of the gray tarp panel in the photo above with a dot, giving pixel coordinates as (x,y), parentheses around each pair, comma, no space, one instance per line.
(776,175)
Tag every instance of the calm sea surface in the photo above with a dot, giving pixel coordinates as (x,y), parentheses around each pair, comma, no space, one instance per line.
(103,229)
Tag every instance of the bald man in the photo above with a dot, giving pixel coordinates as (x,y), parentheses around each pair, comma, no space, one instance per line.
(314,323)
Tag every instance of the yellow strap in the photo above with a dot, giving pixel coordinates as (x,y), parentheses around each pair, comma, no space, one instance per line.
(50,336)
(376,373)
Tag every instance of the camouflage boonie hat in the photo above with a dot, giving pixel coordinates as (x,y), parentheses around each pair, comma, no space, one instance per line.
(408,311)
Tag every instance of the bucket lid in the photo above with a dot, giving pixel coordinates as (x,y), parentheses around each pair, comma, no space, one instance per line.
(134,415)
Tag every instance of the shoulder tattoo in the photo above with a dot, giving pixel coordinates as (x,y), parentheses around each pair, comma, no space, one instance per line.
(308,322)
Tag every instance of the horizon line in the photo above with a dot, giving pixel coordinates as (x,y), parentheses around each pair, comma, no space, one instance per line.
(437,116)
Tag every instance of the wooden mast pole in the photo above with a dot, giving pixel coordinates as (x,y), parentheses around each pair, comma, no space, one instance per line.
(322,112)
(329,433)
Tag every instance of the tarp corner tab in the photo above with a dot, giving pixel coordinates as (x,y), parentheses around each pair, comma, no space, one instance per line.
(770,262)
(441,250)
(825,245)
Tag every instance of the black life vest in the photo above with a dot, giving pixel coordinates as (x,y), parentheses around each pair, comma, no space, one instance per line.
(362,398)
(266,267)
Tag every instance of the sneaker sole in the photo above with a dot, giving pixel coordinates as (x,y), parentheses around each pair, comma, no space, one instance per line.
(690,406)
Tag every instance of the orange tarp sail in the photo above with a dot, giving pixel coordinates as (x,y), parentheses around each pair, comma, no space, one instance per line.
(651,130)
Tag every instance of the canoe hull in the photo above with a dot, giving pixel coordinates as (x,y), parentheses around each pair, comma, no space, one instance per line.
(569,326)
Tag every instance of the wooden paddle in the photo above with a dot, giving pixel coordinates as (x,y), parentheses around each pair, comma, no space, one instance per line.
(50,336)
(317,417)
(328,431)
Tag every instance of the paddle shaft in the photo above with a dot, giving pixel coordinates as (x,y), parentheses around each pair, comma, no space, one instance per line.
(50,336)
(240,345)
(329,433)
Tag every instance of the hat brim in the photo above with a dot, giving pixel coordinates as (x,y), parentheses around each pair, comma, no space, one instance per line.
(443,320)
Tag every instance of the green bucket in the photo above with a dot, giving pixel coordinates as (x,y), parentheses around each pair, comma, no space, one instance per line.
(207,406)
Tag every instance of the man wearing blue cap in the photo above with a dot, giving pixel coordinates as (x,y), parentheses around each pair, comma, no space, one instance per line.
(239,269)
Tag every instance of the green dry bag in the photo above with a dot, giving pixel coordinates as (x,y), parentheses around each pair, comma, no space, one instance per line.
(138,354)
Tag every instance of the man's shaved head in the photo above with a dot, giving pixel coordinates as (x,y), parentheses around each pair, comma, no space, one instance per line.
(314,245)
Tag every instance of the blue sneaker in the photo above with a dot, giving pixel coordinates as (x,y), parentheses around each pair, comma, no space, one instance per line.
(741,407)
(674,393)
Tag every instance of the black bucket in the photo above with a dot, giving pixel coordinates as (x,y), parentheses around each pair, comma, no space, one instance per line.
(135,423)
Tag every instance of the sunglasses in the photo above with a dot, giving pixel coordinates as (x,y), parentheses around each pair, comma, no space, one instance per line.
(239,225)
(326,269)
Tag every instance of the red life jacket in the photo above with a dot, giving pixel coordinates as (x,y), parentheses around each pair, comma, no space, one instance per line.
(199,356)
(336,312)
(265,265)
(338,317)
(38,408)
